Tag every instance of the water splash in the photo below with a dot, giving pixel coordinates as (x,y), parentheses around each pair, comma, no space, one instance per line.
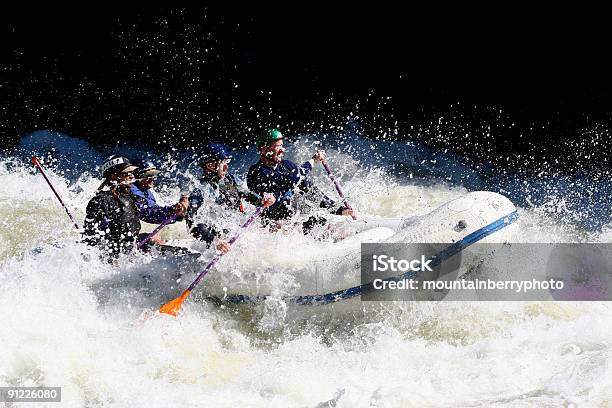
(73,321)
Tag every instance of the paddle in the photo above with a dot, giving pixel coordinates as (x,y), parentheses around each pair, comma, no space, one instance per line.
(36,163)
(338,188)
(156,230)
(170,220)
(174,306)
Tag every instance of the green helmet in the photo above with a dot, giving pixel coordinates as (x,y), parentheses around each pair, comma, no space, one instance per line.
(268,136)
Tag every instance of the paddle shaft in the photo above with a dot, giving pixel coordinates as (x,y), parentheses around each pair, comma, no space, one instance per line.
(36,163)
(156,230)
(338,188)
(216,258)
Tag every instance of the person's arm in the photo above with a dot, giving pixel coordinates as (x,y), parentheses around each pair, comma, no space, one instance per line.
(154,214)
(243,191)
(327,202)
(204,232)
(95,221)
(251,197)
(200,225)
(196,199)
(148,209)
(332,207)
(306,167)
(282,200)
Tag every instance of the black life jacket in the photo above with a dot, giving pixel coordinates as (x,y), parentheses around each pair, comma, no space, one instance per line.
(112,221)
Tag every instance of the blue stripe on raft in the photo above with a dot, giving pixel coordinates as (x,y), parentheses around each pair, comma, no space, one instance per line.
(332,297)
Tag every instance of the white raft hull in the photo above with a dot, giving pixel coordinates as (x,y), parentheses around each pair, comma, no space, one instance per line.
(331,274)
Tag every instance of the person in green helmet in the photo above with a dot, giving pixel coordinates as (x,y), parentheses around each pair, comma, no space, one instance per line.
(273,174)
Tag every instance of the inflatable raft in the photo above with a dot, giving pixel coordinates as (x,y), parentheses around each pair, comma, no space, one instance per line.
(327,274)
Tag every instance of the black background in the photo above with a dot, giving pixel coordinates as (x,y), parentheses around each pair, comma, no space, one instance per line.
(525,86)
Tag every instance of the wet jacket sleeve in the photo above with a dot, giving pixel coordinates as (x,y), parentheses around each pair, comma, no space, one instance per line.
(250,196)
(281,201)
(148,209)
(306,168)
(154,215)
(196,200)
(328,203)
(204,233)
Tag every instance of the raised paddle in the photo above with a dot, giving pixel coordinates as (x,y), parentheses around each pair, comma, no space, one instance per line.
(36,163)
(338,188)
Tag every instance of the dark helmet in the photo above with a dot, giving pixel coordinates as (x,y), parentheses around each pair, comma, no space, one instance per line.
(146,168)
(268,136)
(213,152)
(116,164)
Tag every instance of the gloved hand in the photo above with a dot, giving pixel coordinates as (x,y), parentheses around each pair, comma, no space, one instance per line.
(320,156)
(268,200)
(180,208)
(349,212)
(223,246)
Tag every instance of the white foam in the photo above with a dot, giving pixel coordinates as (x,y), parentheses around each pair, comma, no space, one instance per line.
(73,321)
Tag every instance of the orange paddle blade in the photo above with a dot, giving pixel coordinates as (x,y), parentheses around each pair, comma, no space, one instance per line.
(34,160)
(174,306)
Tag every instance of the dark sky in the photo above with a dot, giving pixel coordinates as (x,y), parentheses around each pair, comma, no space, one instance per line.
(181,76)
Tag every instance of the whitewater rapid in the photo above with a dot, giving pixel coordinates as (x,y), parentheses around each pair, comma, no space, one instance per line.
(73,321)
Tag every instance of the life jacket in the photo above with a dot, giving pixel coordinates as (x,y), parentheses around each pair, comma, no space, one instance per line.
(111,221)
(286,176)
